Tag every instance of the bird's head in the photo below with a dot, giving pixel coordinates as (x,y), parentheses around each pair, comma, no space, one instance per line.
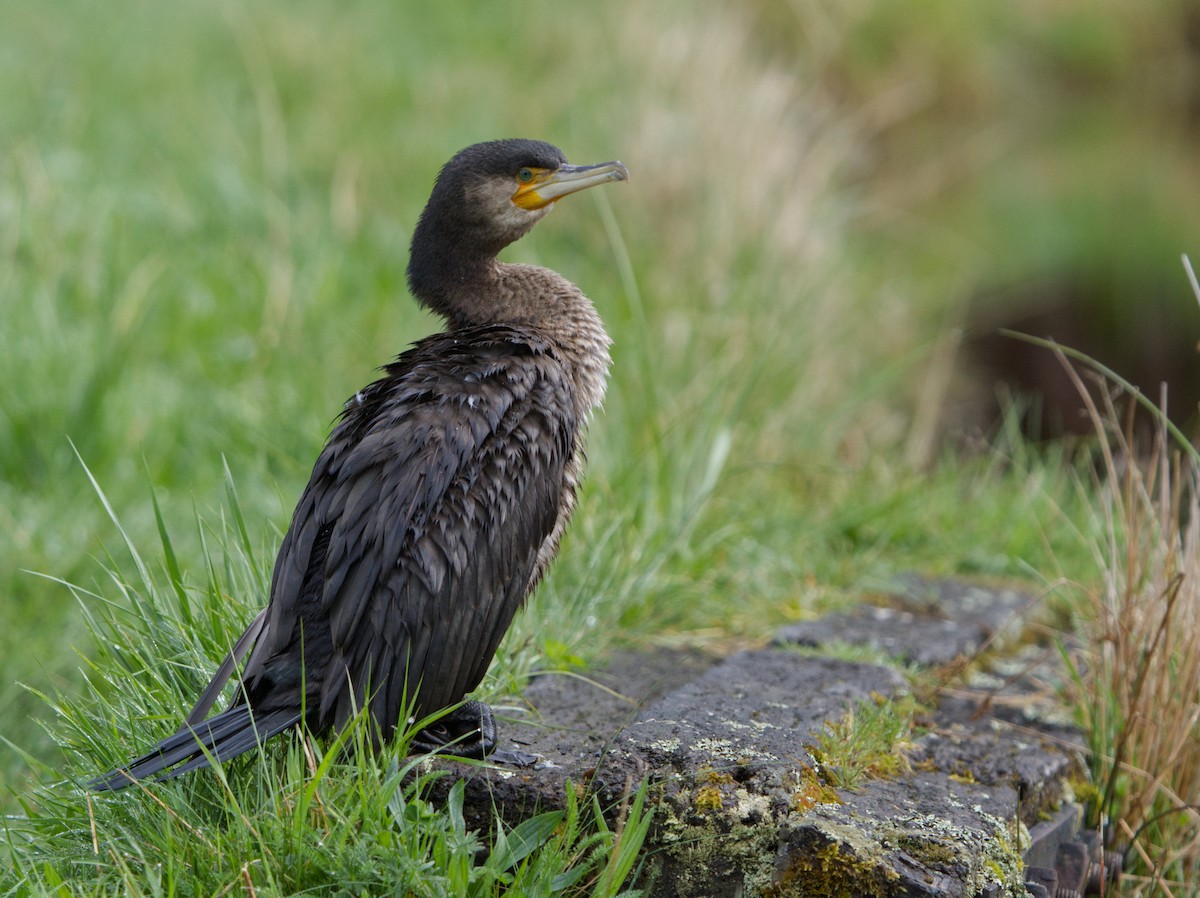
(486,197)
(491,194)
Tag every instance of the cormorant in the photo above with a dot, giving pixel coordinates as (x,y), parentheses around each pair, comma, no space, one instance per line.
(442,492)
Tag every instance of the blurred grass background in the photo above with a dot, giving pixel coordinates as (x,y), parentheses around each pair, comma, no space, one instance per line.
(204,218)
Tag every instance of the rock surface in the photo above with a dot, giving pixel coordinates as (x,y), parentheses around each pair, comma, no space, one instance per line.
(743,803)
(926,622)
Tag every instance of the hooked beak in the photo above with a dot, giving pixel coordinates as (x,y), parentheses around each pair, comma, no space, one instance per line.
(549,186)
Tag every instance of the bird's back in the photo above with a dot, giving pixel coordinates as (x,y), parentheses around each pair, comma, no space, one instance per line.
(417,537)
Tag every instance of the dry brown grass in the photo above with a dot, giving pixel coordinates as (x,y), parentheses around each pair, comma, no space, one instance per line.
(752,160)
(1138,679)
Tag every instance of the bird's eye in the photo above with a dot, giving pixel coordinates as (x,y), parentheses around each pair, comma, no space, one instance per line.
(525,175)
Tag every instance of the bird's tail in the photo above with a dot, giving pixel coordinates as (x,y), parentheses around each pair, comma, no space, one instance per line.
(193,746)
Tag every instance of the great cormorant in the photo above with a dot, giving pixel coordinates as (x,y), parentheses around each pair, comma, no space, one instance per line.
(439,498)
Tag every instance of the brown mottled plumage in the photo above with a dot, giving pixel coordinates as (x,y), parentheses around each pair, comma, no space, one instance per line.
(441,495)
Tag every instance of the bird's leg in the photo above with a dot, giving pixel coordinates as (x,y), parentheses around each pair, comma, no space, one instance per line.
(468,731)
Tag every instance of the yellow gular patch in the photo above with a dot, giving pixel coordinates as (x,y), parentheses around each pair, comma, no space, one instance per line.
(527,196)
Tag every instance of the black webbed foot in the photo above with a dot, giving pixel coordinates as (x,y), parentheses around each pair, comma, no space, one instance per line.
(469,731)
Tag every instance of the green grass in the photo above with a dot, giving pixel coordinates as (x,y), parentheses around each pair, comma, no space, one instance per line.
(867,742)
(328,817)
(204,218)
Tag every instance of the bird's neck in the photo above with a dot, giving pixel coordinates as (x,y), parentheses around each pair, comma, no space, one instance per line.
(473,291)
(448,277)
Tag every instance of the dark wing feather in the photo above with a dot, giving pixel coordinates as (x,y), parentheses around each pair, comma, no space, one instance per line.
(209,697)
(436,491)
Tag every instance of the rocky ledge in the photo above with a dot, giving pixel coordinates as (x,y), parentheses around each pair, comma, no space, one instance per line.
(746,802)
